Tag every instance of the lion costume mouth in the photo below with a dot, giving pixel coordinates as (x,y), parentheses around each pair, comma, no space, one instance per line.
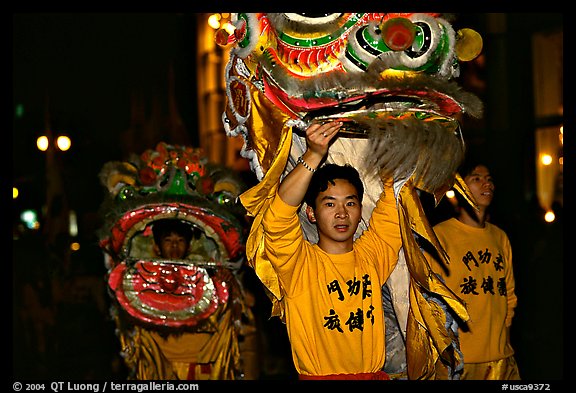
(172,293)
(353,97)
(361,123)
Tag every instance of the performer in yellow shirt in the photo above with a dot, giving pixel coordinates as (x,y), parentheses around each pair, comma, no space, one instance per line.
(203,354)
(332,289)
(480,272)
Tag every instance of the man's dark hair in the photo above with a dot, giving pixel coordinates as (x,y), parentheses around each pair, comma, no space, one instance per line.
(165,227)
(327,174)
(465,169)
(470,162)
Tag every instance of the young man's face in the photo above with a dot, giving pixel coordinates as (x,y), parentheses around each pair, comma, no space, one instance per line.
(338,212)
(481,185)
(173,246)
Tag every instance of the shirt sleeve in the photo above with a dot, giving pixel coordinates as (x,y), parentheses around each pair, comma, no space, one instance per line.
(512,300)
(284,242)
(382,239)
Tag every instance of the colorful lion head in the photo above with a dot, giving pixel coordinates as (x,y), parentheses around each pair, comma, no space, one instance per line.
(171,182)
(390,77)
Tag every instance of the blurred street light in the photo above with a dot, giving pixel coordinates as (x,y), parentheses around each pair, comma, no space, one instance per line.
(63,143)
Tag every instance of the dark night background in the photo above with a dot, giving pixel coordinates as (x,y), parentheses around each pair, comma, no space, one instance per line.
(83,67)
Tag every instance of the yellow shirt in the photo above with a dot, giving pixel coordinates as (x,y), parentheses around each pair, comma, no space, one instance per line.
(333,303)
(480,272)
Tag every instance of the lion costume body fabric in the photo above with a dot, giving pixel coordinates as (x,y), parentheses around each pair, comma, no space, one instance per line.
(389,77)
(176,319)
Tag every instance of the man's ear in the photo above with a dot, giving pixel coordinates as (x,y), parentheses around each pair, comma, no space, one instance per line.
(310,214)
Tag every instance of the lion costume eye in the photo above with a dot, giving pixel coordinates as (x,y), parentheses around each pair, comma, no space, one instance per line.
(224,198)
(126,192)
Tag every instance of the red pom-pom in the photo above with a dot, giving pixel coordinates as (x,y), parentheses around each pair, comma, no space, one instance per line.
(221,37)
(206,185)
(147,176)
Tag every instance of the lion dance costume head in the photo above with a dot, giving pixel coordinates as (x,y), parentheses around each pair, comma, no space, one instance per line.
(176,318)
(391,79)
